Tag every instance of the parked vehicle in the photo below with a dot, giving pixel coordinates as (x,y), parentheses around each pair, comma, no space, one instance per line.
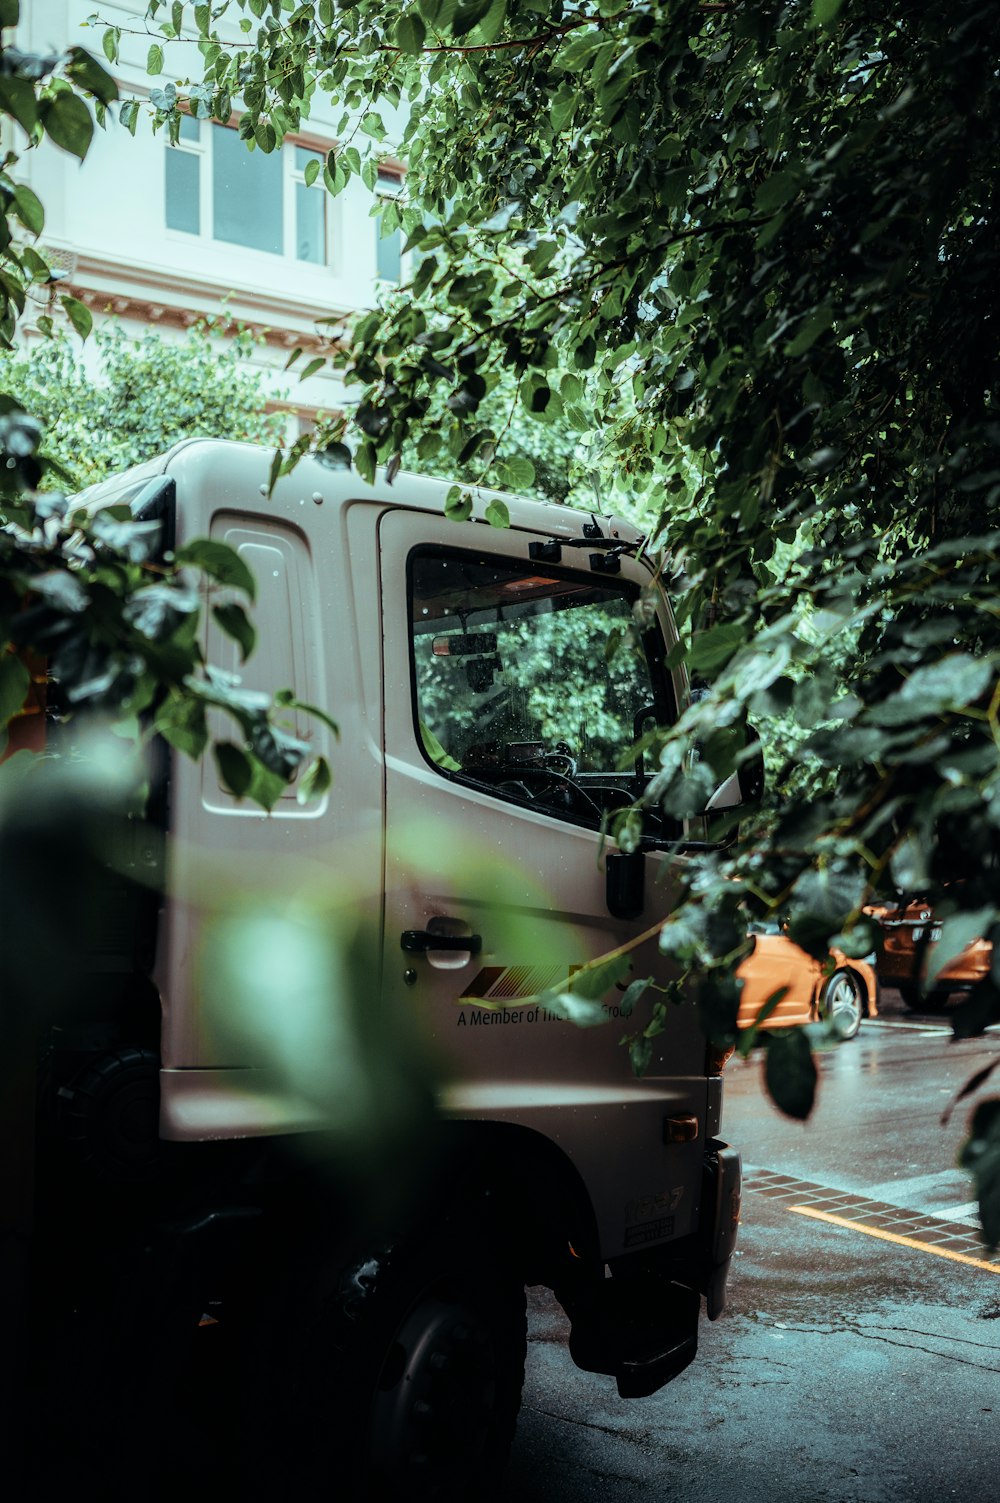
(482,726)
(848,993)
(910,931)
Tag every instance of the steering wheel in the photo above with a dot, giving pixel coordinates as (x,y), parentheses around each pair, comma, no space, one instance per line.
(548,781)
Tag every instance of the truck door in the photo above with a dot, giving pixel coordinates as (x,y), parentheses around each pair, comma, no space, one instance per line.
(507,709)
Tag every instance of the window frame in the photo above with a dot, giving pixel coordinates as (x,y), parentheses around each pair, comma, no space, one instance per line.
(655,648)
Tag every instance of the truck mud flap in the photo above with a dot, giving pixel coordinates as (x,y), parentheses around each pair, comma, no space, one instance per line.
(722,1190)
(640,1331)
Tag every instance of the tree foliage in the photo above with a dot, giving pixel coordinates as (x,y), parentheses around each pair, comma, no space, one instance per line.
(138,396)
(755,245)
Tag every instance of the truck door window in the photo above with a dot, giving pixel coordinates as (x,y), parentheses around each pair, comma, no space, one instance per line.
(531,683)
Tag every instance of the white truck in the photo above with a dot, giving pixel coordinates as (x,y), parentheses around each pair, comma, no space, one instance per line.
(484,728)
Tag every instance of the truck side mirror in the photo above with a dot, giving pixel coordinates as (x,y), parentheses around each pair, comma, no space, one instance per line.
(743,788)
(745,785)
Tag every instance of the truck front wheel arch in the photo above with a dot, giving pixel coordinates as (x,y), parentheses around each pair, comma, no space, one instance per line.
(538,1204)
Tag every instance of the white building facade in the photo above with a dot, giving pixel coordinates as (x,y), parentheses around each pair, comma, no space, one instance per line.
(162,236)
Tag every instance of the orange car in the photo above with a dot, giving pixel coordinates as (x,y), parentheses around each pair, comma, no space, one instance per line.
(847,994)
(908,933)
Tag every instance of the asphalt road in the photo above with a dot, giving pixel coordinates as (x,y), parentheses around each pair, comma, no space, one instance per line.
(859,1359)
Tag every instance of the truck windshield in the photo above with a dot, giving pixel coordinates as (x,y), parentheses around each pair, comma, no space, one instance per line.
(531,682)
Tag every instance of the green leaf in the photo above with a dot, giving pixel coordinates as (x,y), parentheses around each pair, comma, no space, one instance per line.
(980,1154)
(266,136)
(640,1053)
(821,901)
(15,681)
(29,209)
(776,190)
(61,589)
(977,1012)
(712,649)
(312,171)
(10,11)
(468,14)
(315,782)
(87,73)
(908,865)
(78,314)
(111,41)
(159,609)
(154,59)
(235,623)
(236,771)
(335,456)
(517,472)
(458,504)
(409,33)
(583,1011)
(825,12)
(17,98)
(371,125)
(67,122)
(366,461)
(128,115)
(497,514)
(718,1005)
(314,365)
(812,327)
(956,680)
(790,1073)
(632,993)
(219,562)
(180,720)
(595,979)
(267,786)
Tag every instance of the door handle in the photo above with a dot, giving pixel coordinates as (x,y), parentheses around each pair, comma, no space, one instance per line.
(419,941)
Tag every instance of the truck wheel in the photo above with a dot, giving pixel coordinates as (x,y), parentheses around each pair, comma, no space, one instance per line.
(413,1374)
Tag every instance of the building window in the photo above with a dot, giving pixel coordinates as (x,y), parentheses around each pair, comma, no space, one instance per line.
(388,237)
(216,187)
(246,194)
(184,173)
(310,212)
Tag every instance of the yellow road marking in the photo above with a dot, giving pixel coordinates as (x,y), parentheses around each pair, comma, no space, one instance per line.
(874,1231)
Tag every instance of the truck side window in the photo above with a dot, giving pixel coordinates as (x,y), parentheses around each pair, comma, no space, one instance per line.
(530,683)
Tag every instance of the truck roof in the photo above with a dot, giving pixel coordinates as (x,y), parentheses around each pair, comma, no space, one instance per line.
(247,466)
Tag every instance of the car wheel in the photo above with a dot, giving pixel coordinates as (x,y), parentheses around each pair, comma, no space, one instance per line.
(844,1002)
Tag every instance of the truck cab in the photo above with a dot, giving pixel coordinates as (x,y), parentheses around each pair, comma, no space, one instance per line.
(488,682)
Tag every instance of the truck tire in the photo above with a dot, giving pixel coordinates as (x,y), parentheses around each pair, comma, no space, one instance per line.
(408,1382)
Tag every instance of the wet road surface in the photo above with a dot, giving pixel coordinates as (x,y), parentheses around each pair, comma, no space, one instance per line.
(859,1359)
